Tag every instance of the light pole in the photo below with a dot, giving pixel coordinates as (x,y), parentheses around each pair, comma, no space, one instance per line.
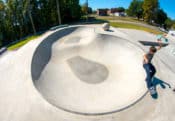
(87,3)
(87,9)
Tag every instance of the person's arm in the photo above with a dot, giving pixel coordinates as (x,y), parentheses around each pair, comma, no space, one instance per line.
(160,45)
(145,58)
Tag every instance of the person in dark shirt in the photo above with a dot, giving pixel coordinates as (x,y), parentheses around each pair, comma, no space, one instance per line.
(148,66)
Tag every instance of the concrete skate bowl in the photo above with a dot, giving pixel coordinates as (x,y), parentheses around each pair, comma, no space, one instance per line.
(83,72)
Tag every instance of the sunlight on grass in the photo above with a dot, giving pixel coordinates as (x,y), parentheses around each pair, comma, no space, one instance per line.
(133,26)
(129,19)
(22,42)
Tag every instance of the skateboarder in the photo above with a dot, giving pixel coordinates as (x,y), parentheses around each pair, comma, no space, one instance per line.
(149,67)
(162,38)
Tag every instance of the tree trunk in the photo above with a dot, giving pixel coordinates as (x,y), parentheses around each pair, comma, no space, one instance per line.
(30,16)
(58,12)
(31,19)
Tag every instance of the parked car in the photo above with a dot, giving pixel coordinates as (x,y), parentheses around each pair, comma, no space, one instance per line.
(163,30)
(172,33)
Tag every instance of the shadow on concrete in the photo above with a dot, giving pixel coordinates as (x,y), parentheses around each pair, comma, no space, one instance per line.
(3,50)
(156,82)
(43,52)
(87,70)
(110,30)
(148,43)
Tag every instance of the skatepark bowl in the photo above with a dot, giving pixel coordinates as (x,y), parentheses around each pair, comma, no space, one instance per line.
(80,71)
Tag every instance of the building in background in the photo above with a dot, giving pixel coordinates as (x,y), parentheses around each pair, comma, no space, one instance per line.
(102,12)
(110,12)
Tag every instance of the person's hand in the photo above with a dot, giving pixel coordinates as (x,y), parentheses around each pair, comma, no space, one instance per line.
(160,43)
(158,40)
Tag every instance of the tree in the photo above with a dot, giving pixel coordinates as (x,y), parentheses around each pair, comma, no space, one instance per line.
(150,7)
(169,23)
(58,11)
(86,10)
(173,26)
(135,9)
(120,9)
(160,17)
(28,9)
(2,6)
(19,18)
(70,10)
(90,10)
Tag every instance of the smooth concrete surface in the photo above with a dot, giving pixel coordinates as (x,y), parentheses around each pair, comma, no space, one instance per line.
(87,70)
(100,74)
(96,75)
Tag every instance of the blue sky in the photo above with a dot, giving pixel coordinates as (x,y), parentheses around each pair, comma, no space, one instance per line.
(167,5)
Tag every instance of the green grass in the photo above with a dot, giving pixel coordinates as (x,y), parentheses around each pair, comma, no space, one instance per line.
(22,42)
(133,26)
(128,25)
(129,19)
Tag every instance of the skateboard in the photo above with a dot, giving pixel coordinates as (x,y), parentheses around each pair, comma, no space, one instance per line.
(148,43)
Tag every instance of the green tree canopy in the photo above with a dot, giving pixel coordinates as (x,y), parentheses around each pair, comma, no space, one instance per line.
(2,6)
(19,18)
(150,7)
(170,23)
(135,9)
(84,8)
(160,17)
(120,9)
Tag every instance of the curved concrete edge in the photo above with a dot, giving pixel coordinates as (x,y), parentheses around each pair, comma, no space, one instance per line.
(103,113)
(37,65)
(21,101)
(43,52)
